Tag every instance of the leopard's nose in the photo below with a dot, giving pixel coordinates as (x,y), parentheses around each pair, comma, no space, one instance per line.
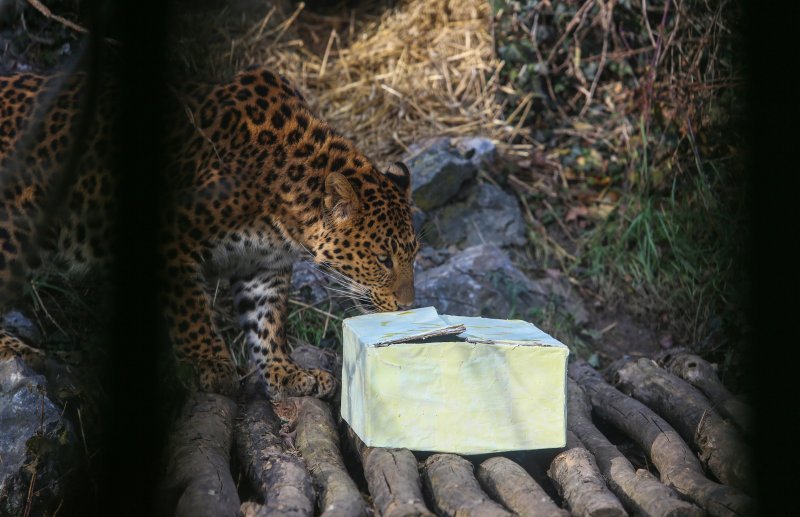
(404,293)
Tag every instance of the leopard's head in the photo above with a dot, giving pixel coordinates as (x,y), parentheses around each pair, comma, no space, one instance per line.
(368,236)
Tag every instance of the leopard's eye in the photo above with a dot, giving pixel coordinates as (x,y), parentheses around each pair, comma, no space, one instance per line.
(386,260)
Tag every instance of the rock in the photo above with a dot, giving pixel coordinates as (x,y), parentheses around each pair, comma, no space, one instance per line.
(21,326)
(309,284)
(480,151)
(418,218)
(439,168)
(482,281)
(489,216)
(310,356)
(37,445)
(429,257)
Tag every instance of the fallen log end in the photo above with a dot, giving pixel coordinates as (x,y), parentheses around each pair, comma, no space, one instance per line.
(579,481)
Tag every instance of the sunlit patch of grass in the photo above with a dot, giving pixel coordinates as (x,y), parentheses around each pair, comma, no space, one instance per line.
(318,326)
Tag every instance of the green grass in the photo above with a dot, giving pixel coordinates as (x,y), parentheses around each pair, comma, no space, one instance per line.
(675,252)
(318,326)
(68,310)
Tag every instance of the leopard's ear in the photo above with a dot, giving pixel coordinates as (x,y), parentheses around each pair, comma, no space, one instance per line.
(401,177)
(342,205)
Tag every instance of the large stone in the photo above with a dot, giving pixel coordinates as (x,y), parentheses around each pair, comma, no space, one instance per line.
(482,281)
(39,449)
(309,284)
(488,216)
(441,166)
(21,326)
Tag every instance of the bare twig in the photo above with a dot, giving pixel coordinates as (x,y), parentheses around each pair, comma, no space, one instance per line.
(576,20)
(47,13)
(606,15)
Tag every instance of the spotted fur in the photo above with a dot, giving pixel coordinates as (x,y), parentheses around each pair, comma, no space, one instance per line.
(256,181)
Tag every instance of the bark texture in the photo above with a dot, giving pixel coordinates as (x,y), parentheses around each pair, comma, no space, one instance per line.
(511,485)
(701,374)
(393,479)
(639,491)
(454,490)
(279,477)
(674,460)
(198,469)
(719,443)
(318,442)
(579,481)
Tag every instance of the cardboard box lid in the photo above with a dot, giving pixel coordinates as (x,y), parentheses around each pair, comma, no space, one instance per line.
(389,328)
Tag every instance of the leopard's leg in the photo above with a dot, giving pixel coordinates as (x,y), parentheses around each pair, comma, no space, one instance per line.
(193,334)
(261,299)
(12,346)
(14,235)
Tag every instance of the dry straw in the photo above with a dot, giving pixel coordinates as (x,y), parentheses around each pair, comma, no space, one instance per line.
(420,69)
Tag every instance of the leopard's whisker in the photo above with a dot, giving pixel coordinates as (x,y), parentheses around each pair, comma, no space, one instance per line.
(346,284)
(348,295)
(341,279)
(331,273)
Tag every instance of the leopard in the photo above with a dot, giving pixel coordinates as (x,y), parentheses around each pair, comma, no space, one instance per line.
(256,182)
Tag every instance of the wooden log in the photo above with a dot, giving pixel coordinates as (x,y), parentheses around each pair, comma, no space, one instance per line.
(674,460)
(453,489)
(254,509)
(198,462)
(511,485)
(393,479)
(701,374)
(278,476)
(639,491)
(580,483)
(318,442)
(719,443)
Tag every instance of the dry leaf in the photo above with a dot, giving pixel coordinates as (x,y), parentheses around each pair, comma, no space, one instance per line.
(600,212)
(575,212)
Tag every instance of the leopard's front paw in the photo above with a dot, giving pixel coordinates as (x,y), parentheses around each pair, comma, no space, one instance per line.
(297,382)
(217,377)
(326,383)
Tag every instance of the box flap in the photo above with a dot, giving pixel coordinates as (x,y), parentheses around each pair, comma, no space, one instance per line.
(486,330)
(388,328)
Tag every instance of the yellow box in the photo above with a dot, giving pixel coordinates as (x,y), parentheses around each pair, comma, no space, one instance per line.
(428,382)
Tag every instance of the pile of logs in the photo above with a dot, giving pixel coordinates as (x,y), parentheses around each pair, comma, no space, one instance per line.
(690,430)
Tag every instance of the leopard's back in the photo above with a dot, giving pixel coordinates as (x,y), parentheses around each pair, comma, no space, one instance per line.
(47,208)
